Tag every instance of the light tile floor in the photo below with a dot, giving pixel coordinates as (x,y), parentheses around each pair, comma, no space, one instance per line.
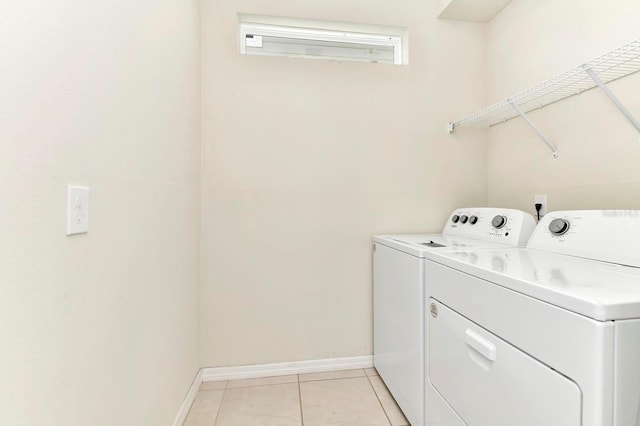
(346,398)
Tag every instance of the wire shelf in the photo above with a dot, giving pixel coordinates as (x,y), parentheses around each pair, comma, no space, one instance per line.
(611,66)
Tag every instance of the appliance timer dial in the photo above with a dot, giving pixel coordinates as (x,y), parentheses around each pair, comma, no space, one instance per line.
(499,221)
(559,226)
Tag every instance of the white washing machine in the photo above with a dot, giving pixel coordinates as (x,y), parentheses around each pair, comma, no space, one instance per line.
(543,335)
(399,296)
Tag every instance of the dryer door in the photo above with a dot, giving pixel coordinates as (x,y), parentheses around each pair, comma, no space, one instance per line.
(489,382)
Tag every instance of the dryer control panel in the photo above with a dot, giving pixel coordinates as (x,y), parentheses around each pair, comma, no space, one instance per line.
(505,226)
(606,235)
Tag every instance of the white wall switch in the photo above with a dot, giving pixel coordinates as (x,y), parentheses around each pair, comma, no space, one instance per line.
(77,209)
(541,199)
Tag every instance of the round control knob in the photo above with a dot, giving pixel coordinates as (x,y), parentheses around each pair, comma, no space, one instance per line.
(559,226)
(473,220)
(499,221)
(455,218)
(463,219)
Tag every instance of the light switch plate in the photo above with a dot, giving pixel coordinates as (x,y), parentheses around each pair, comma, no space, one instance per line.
(77,209)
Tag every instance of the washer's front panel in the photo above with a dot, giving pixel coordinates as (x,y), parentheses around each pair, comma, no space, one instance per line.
(399,328)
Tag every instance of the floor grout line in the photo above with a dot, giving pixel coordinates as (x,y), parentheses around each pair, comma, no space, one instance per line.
(300,400)
(259,386)
(379,401)
(334,378)
(224,392)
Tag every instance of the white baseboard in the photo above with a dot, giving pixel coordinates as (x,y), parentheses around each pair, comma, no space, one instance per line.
(285,368)
(188,400)
(267,370)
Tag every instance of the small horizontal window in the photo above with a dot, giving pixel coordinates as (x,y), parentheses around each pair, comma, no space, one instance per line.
(278,40)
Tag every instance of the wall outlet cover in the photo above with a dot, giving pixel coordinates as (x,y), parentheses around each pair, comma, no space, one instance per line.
(77,209)
(542,199)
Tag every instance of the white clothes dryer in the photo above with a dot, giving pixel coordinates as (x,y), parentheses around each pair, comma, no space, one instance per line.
(543,335)
(399,294)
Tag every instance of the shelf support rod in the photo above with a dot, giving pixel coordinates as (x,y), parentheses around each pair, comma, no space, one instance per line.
(535,129)
(613,98)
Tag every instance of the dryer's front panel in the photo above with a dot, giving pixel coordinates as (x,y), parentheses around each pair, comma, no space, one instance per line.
(489,382)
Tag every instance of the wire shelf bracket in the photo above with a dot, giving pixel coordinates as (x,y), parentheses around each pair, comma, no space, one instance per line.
(554,149)
(597,72)
(613,98)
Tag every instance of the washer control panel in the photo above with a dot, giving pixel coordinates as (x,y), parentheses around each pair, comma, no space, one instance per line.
(506,226)
(607,235)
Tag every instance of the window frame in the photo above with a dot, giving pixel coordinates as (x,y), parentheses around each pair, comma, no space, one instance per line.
(319,34)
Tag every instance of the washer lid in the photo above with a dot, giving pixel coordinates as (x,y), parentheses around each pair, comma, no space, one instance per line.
(420,244)
(599,290)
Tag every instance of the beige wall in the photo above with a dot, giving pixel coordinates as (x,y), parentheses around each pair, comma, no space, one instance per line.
(599,151)
(102,328)
(304,160)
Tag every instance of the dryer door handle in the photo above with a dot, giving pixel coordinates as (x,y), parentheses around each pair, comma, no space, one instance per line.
(480,344)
